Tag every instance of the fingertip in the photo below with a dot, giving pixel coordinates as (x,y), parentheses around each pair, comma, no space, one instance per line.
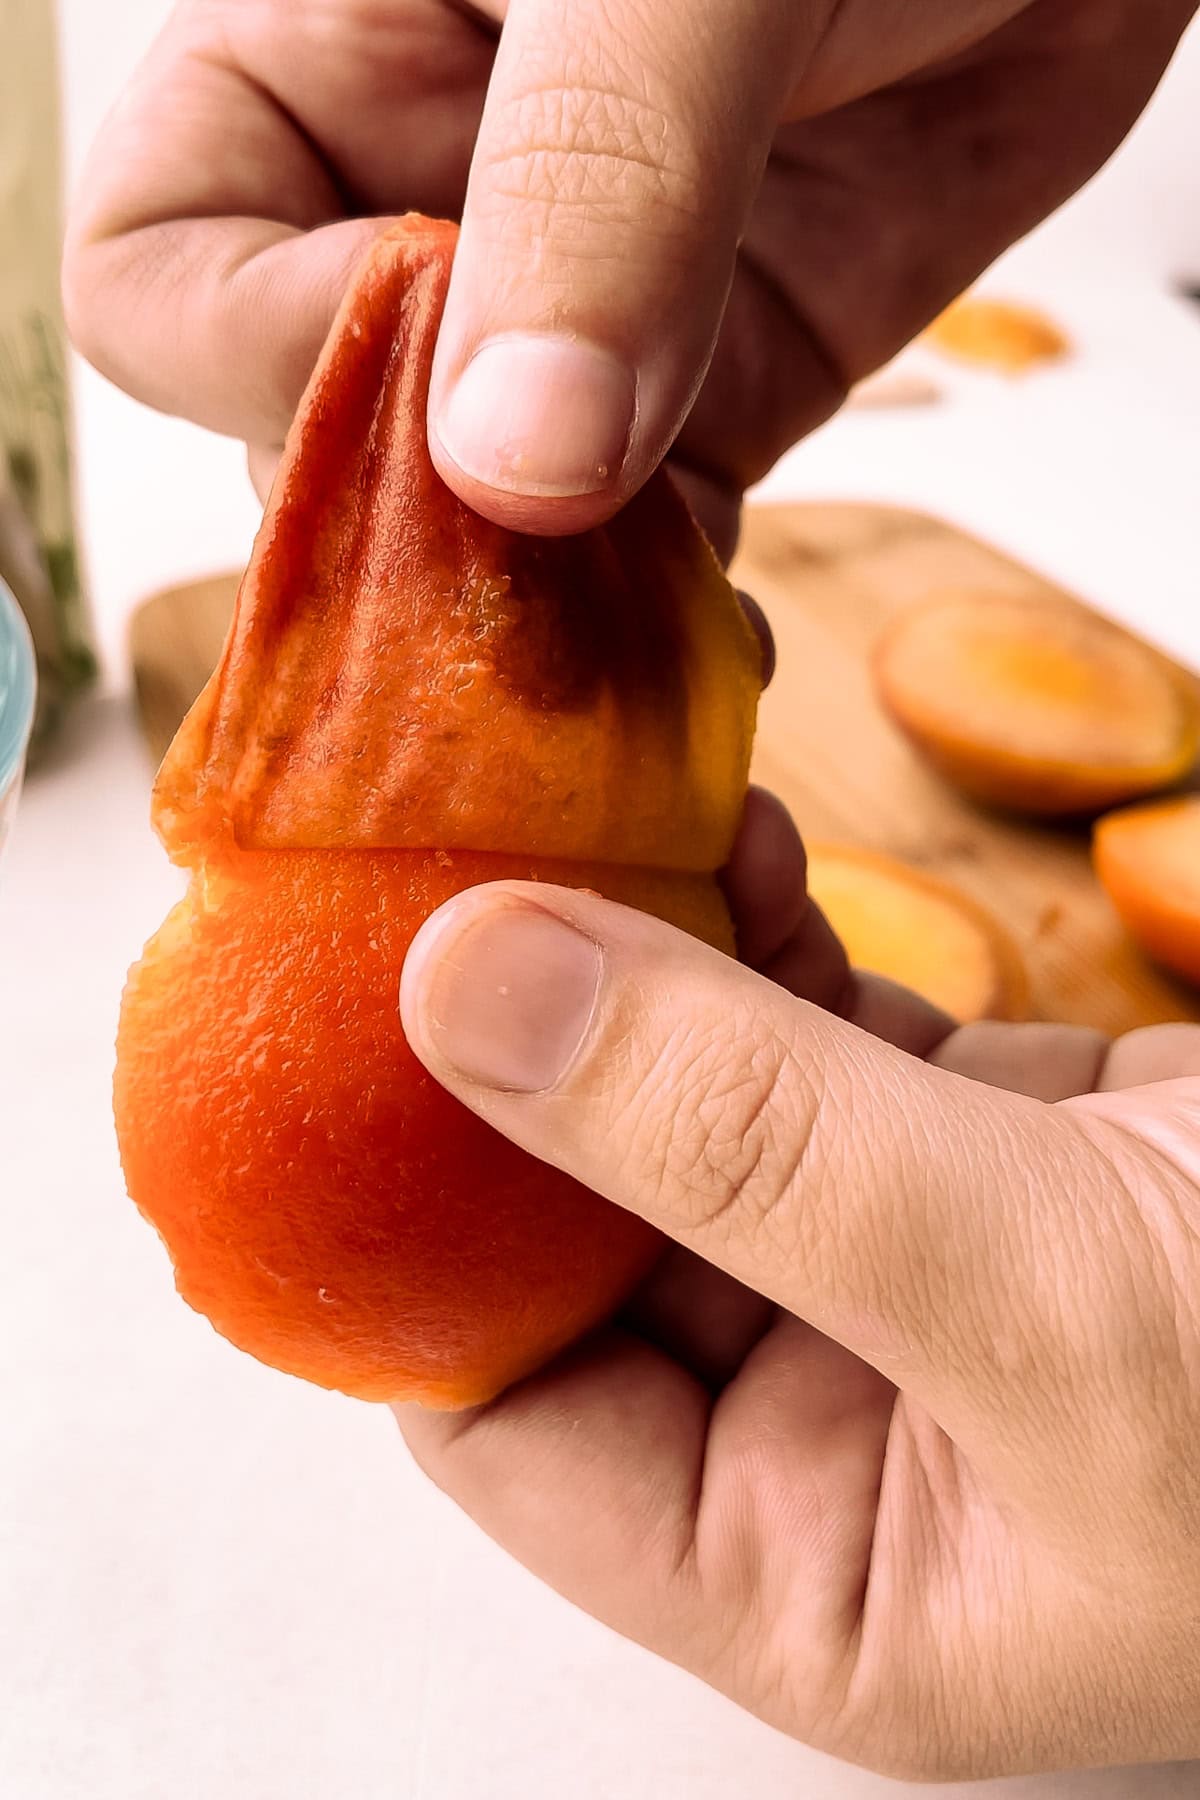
(533,428)
(812,964)
(883,1009)
(762,630)
(1152,1054)
(498,992)
(434,937)
(764,880)
(262,465)
(598,243)
(533,515)
(767,822)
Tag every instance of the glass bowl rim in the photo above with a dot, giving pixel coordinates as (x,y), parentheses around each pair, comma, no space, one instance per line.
(18,686)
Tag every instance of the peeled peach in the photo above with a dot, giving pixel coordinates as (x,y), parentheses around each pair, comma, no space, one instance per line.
(410,701)
(1034,704)
(326,1204)
(897,921)
(1148,858)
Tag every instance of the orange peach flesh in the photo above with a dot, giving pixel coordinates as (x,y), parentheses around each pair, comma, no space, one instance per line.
(898,922)
(1034,704)
(1148,859)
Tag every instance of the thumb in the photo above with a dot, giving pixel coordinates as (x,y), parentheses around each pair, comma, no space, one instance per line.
(620,149)
(919,1219)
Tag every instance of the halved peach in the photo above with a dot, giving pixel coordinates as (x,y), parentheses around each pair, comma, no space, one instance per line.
(1032,703)
(897,921)
(1148,858)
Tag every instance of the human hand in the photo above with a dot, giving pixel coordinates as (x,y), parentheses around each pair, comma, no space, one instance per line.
(687,225)
(898,1447)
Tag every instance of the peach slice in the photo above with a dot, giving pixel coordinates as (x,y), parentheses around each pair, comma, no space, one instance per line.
(897,921)
(1148,859)
(1034,704)
(997,334)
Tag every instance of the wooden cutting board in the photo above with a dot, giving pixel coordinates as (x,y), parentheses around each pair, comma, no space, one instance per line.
(829,577)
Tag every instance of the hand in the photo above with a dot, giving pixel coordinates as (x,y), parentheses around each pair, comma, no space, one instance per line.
(899,1446)
(800,187)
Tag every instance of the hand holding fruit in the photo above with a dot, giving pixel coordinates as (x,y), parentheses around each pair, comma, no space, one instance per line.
(898,1447)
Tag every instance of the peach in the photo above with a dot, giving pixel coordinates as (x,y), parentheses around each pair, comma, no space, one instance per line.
(1148,859)
(900,922)
(1033,704)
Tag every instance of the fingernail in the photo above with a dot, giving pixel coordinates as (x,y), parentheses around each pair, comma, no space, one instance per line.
(509,997)
(762,631)
(541,415)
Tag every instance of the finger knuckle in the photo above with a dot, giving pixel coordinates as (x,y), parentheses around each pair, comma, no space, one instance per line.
(729,1150)
(577,151)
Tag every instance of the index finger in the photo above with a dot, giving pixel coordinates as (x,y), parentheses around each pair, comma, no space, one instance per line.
(208,247)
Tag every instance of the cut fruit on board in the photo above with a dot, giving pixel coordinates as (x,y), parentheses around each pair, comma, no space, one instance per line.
(1148,858)
(1035,705)
(914,929)
(831,577)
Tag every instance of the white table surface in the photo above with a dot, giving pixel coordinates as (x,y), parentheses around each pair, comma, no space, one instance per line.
(216,1583)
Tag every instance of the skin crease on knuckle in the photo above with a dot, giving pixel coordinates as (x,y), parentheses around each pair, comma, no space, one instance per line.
(581,162)
(608,139)
(747,1157)
(726,1154)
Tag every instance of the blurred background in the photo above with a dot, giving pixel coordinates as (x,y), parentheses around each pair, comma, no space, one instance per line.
(215,1580)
